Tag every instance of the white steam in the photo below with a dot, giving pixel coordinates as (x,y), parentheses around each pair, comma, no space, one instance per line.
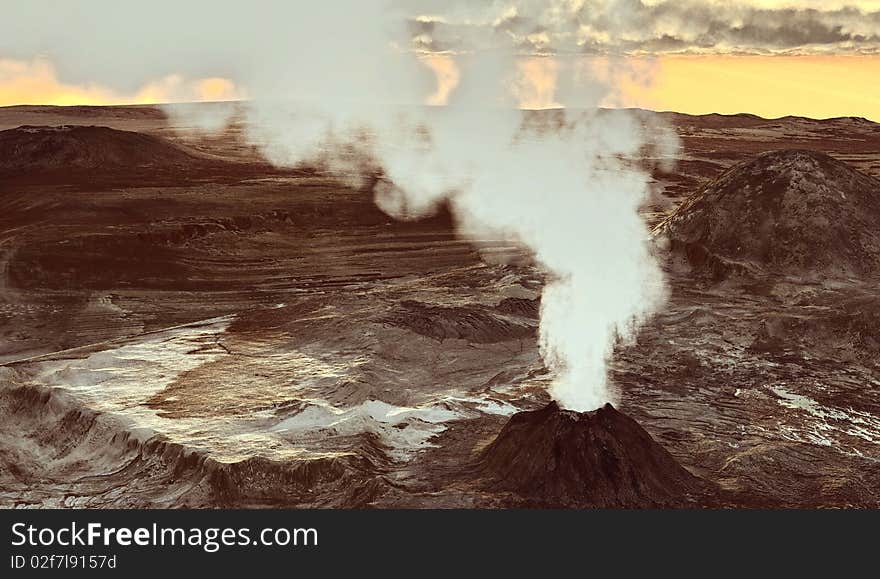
(348,92)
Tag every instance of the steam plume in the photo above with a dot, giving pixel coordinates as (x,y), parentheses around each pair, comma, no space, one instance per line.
(562,183)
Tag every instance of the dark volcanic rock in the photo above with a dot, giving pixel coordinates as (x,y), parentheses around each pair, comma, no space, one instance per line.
(520,307)
(469,323)
(788,212)
(560,458)
(74,147)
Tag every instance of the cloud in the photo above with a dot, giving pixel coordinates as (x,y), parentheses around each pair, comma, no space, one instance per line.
(641,26)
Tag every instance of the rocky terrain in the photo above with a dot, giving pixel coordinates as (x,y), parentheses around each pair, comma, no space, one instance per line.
(192,327)
(792,212)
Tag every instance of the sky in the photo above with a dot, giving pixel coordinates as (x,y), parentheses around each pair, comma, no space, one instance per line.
(772,58)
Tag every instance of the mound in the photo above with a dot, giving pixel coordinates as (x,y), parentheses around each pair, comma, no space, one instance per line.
(73,147)
(788,212)
(554,457)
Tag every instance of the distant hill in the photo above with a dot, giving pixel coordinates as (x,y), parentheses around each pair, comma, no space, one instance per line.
(789,212)
(39,149)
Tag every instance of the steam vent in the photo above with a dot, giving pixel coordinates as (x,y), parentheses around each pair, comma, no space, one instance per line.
(562,458)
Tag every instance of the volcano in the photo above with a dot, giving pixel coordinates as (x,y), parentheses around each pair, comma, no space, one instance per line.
(791,212)
(561,458)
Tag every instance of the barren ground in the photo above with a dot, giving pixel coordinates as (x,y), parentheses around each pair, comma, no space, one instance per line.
(255,337)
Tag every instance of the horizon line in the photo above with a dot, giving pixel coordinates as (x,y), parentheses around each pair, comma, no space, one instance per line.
(548,109)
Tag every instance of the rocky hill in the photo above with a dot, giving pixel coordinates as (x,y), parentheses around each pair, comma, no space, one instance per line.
(791,212)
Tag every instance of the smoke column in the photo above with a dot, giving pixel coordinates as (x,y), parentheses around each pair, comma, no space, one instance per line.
(342,91)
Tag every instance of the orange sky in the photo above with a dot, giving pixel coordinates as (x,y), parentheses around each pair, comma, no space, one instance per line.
(769,86)
(37,82)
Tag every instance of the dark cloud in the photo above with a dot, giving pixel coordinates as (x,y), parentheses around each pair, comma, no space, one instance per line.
(730,26)
(670,26)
